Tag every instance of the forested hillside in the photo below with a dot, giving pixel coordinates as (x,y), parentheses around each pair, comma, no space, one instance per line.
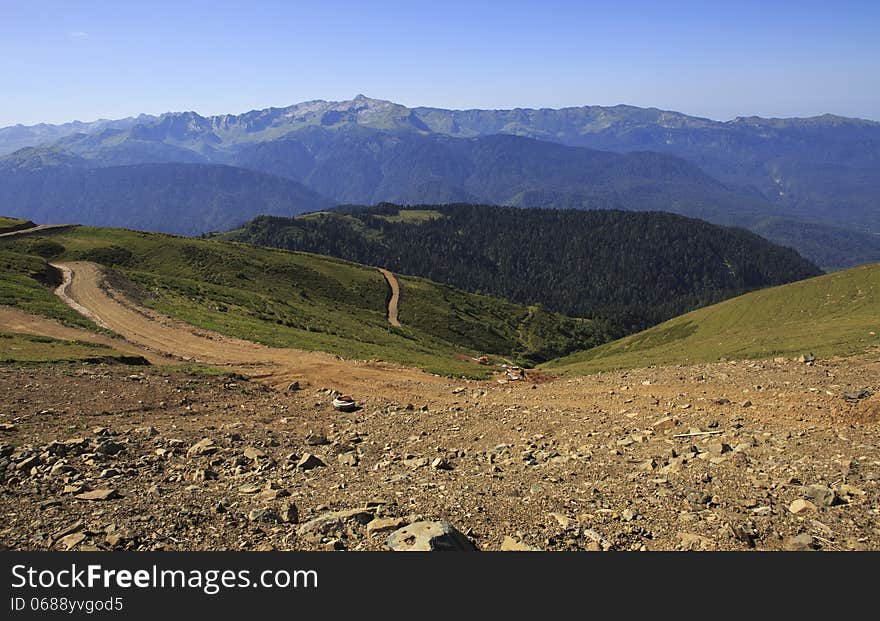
(635,269)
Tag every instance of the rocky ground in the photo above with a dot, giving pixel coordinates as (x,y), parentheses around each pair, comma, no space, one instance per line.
(739,455)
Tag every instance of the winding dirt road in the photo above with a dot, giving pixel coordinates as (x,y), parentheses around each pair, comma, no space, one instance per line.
(395,297)
(85,289)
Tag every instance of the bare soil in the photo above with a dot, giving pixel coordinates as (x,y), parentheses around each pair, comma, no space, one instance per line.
(394,300)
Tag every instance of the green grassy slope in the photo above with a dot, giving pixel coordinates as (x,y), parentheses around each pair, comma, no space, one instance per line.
(26,282)
(834,314)
(289,299)
(29,349)
(13,224)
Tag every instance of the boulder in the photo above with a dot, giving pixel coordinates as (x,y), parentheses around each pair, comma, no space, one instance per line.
(821,495)
(98,494)
(309,462)
(334,520)
(800,506)
(205,446)
(427,536)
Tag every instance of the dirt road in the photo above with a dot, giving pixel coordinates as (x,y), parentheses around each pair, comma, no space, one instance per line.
(85,289)
(41,228)
(395,297)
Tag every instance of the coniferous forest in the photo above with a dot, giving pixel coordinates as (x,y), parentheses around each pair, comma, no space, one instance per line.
(634,269)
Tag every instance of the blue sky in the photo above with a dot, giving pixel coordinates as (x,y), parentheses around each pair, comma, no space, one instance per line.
(65,60)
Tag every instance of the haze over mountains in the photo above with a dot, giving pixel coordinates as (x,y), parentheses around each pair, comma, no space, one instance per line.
(807,183)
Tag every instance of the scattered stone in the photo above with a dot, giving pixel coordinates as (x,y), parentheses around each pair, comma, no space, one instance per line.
(821,495)
(309,461)
(800,505)
(203,474)
(628,515)
(254,453)
(29,462)
(441,463)
(115,540)
(692,541)
(98,494)
(429,537)
(335,520)
(316,439)
(263,514)
(109,448)
(71,541)
(415,462)
(718,448)
(799,543)
(379,526)
(348,459)
(598,539)
(664,424)
(564,521)
(204,446)
(848,490)
(288,513)
(854,396)
(67,530)
(269,493)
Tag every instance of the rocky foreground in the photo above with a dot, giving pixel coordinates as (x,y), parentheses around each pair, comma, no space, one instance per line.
(748,455)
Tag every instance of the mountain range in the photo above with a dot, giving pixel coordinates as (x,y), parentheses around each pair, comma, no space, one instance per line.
(807,183)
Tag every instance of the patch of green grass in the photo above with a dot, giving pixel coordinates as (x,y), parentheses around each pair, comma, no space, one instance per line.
(26,282)
(411,216)
(492,325)
(30,349)
(13,224)
(193,368)
(834,314)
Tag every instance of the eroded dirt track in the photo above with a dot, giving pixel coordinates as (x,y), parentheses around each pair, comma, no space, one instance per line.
(86,289)
(394,300)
